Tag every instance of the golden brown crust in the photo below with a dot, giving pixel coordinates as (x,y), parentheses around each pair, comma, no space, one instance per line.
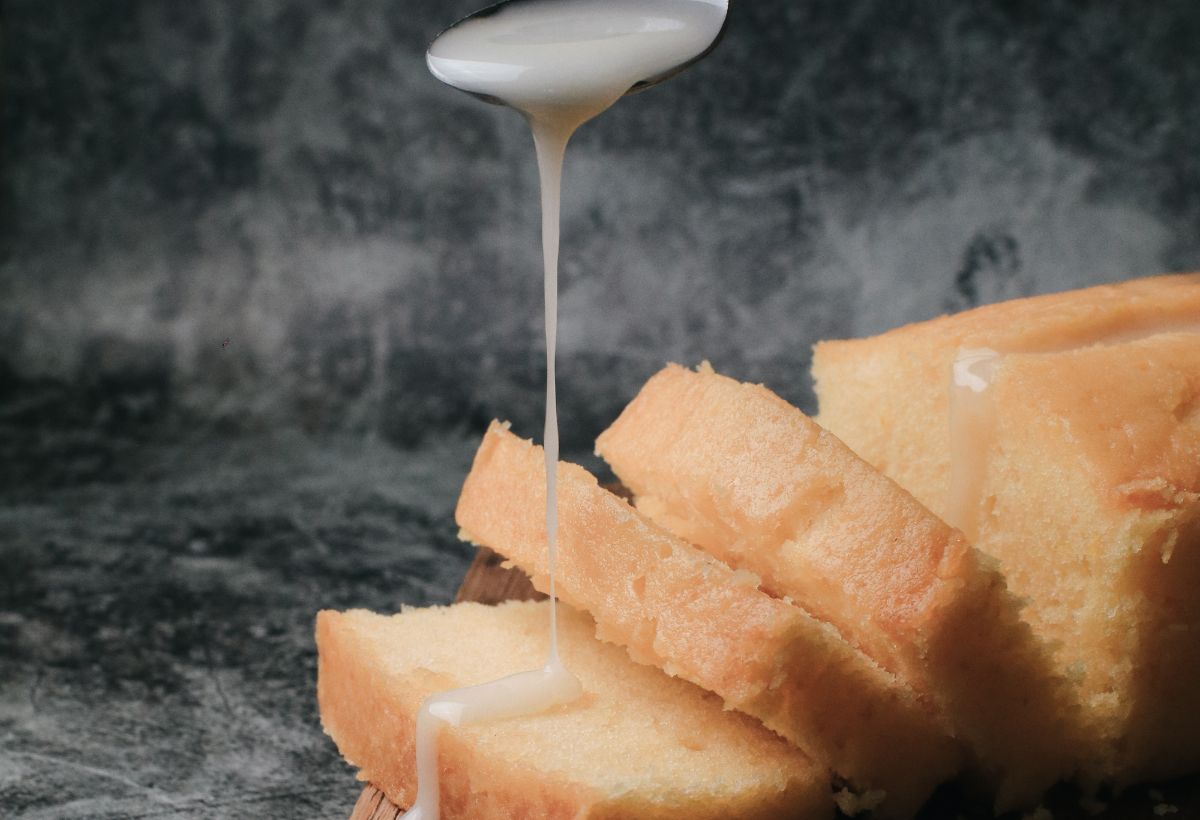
(858,380)
(1132,412)
(1059,321)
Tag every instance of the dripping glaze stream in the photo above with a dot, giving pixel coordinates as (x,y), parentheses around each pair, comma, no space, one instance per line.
(559,63)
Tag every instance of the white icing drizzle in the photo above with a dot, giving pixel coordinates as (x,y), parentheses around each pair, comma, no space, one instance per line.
(973,411)
(525,693)
(972,420)
(560,63)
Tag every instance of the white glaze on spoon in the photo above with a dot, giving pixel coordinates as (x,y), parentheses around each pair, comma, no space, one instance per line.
(560,63)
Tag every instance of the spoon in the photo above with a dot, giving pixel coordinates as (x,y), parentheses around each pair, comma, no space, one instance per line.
(515,48)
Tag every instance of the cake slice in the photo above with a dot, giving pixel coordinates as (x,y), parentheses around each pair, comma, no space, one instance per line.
(638,745)
(1087,492)
(675,607)
(733,468)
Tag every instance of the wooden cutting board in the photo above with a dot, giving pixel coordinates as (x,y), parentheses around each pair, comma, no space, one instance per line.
(488,582)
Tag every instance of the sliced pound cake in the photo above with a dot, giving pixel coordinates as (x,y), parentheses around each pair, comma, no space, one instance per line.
(675,607)
(638,745)
(1087,488)
(733,468)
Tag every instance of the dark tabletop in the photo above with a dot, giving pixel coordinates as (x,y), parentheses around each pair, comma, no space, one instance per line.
(156,613)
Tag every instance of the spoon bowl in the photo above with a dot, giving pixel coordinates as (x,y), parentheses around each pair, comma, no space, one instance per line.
(580,23)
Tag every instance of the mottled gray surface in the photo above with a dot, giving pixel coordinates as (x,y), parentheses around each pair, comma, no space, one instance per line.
(156,654)
(262,279)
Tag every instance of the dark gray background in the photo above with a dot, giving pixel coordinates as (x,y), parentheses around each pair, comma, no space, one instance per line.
(262,281)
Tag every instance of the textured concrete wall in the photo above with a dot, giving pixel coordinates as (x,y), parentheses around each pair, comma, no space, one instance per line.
(287,176)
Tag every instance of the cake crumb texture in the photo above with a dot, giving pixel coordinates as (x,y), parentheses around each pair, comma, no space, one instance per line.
(637,744)
(1090,500)
(676,607)
(738,471)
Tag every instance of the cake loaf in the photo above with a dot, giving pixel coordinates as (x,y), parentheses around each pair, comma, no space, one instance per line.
(638,745)
(733,468)
(1088,474)
(675,607)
